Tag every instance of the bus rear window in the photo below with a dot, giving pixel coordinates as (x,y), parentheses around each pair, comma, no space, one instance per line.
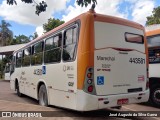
(134,38)
(153,40)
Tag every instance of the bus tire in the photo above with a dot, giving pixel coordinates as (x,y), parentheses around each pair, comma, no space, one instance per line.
(42,95)
(155,95)
(17,90)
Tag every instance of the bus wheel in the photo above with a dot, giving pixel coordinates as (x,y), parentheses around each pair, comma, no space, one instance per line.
(155,96)
(43,98)
(17,90)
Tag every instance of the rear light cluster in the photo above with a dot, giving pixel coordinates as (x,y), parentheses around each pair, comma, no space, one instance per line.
(89,86)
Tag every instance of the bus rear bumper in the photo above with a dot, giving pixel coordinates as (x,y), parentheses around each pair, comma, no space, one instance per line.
(88,102)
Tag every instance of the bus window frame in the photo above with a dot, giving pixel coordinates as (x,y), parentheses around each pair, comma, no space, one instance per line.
(18,58)
(32,52)
(76,25)
(54,35)
(29,47)
(152,36)
(125,34)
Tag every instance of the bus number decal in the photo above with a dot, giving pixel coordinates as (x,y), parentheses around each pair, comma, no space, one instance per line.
(137,60)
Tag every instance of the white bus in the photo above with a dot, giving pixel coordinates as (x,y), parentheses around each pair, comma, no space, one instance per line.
(7,72)
(153,37)
(92,62)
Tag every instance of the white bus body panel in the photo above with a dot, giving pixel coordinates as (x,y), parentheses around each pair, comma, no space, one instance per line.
(60,80)
(87,102)
(154,70)
(120,76)
(7,72)
(7,76)
(63,79)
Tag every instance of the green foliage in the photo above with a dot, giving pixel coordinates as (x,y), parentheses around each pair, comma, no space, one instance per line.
(6,59)
(86,2)
(6,34)
(154,18)
(35,35)
(52,23)
(20,40)
(11,2)
(27,1)
(32,37)
(41,7)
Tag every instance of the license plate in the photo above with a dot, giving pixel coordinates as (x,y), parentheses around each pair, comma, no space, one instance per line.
(122,101)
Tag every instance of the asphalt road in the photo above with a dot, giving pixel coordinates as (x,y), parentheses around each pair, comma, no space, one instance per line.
(9,101)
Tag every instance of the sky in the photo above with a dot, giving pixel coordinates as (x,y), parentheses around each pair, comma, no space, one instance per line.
(24,21)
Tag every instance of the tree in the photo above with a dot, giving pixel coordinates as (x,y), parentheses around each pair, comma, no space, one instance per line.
(6,34)
(86,2)
(32,37)
(52,23)
(21,39)
(35,35)
(154,18)
(41,7)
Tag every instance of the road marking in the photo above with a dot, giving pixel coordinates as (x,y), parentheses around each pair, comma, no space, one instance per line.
(137,111)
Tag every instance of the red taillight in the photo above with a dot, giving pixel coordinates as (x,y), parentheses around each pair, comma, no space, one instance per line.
(89,75)
(90,88)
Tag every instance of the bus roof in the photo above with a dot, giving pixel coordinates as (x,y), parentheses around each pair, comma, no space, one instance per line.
(153,32)
(83,16)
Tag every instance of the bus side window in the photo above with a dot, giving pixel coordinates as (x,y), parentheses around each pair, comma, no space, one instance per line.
(37,54)
(26,57)
(70,44)
(19,59)
(53,49)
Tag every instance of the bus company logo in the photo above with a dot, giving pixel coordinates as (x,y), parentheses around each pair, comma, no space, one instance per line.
(100,80)
(105,58)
